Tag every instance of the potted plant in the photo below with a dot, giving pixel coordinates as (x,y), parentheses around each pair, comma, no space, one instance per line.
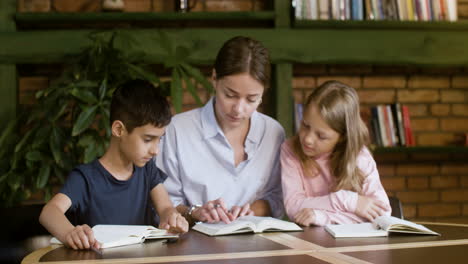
(69,124)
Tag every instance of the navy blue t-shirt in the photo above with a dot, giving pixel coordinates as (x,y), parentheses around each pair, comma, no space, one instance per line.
(99,198)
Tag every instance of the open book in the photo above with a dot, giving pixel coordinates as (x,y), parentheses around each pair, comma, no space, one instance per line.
(246,224)
(381,226)
(122,235)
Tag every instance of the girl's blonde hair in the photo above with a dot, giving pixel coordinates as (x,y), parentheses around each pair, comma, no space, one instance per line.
(338,105)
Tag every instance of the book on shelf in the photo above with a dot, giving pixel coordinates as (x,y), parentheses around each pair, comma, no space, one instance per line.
(246,224)
(121,235)
(383,126)
(410,10)
(382,226)
(407,125)
(375,128)
(398,121)
(390,126)
(298,113)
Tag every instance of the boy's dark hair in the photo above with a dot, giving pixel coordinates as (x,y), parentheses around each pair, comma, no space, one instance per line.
(137,103)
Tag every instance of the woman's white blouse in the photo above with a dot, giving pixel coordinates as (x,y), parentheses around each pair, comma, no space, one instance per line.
(200,161)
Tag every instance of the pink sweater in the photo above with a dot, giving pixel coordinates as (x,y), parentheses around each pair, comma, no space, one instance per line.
(338,207)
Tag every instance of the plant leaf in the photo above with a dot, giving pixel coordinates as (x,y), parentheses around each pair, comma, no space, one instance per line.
(91,152)
(60,112)
(43,176)
(4,177)
(7,132)
(41,136)
(192,90)
(14,181)
(84,120)
(84,95)
(24,140)
(143,74)
(34,155)
(55,144)
(103,89)
(86,84)
(198,76)
(181,53)
(176,90)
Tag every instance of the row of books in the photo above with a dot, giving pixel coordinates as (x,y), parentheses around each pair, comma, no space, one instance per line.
(403,10)
(390,126)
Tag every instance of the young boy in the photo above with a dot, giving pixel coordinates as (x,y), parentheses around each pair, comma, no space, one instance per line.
(118,187)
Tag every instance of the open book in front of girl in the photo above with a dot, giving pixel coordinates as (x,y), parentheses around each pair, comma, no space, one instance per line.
(246,224)
(380,227)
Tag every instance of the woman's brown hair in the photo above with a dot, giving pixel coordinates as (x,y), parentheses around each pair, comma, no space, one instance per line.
(338,105)
(243,55)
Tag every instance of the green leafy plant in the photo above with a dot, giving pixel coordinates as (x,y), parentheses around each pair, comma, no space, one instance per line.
(69,124)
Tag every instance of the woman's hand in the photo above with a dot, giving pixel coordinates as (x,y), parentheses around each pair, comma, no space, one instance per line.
(81,237)
(173,221)
(305,217)
(370,208)
(212,212)
(238,211)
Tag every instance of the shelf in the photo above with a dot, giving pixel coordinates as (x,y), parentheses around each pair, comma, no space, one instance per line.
(314,46)
(422,149)
(92,17)
(382,24)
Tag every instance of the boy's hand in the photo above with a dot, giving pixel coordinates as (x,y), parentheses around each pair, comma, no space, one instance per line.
(305,217)
(212,212)
(173,222)
(81,237)
(370,208)
(237,211)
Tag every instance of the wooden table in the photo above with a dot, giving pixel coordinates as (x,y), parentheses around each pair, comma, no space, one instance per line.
(314,245)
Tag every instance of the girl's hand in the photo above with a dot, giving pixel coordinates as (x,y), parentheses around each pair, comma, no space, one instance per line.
(81,237)
(237,211)
(174,222)
(212,212)
(305,217)
(370,208)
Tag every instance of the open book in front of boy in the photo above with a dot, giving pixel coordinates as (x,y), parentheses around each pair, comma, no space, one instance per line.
(122,235)
(380,227)
(246,224)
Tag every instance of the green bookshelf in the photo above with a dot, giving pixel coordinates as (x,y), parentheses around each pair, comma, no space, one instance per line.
(422,149)
(290,42)
(382,25)
(93,17)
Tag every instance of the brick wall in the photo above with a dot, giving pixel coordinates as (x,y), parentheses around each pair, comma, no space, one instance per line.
(431,186)
(437,97)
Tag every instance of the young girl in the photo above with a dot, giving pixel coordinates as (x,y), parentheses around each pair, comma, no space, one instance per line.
(328,174)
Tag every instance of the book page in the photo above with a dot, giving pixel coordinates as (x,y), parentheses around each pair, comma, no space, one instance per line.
(356,230)
(119,235)
(215,229)
(393,224)
(270,224)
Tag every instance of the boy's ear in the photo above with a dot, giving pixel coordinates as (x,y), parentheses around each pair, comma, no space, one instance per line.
(118,128)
